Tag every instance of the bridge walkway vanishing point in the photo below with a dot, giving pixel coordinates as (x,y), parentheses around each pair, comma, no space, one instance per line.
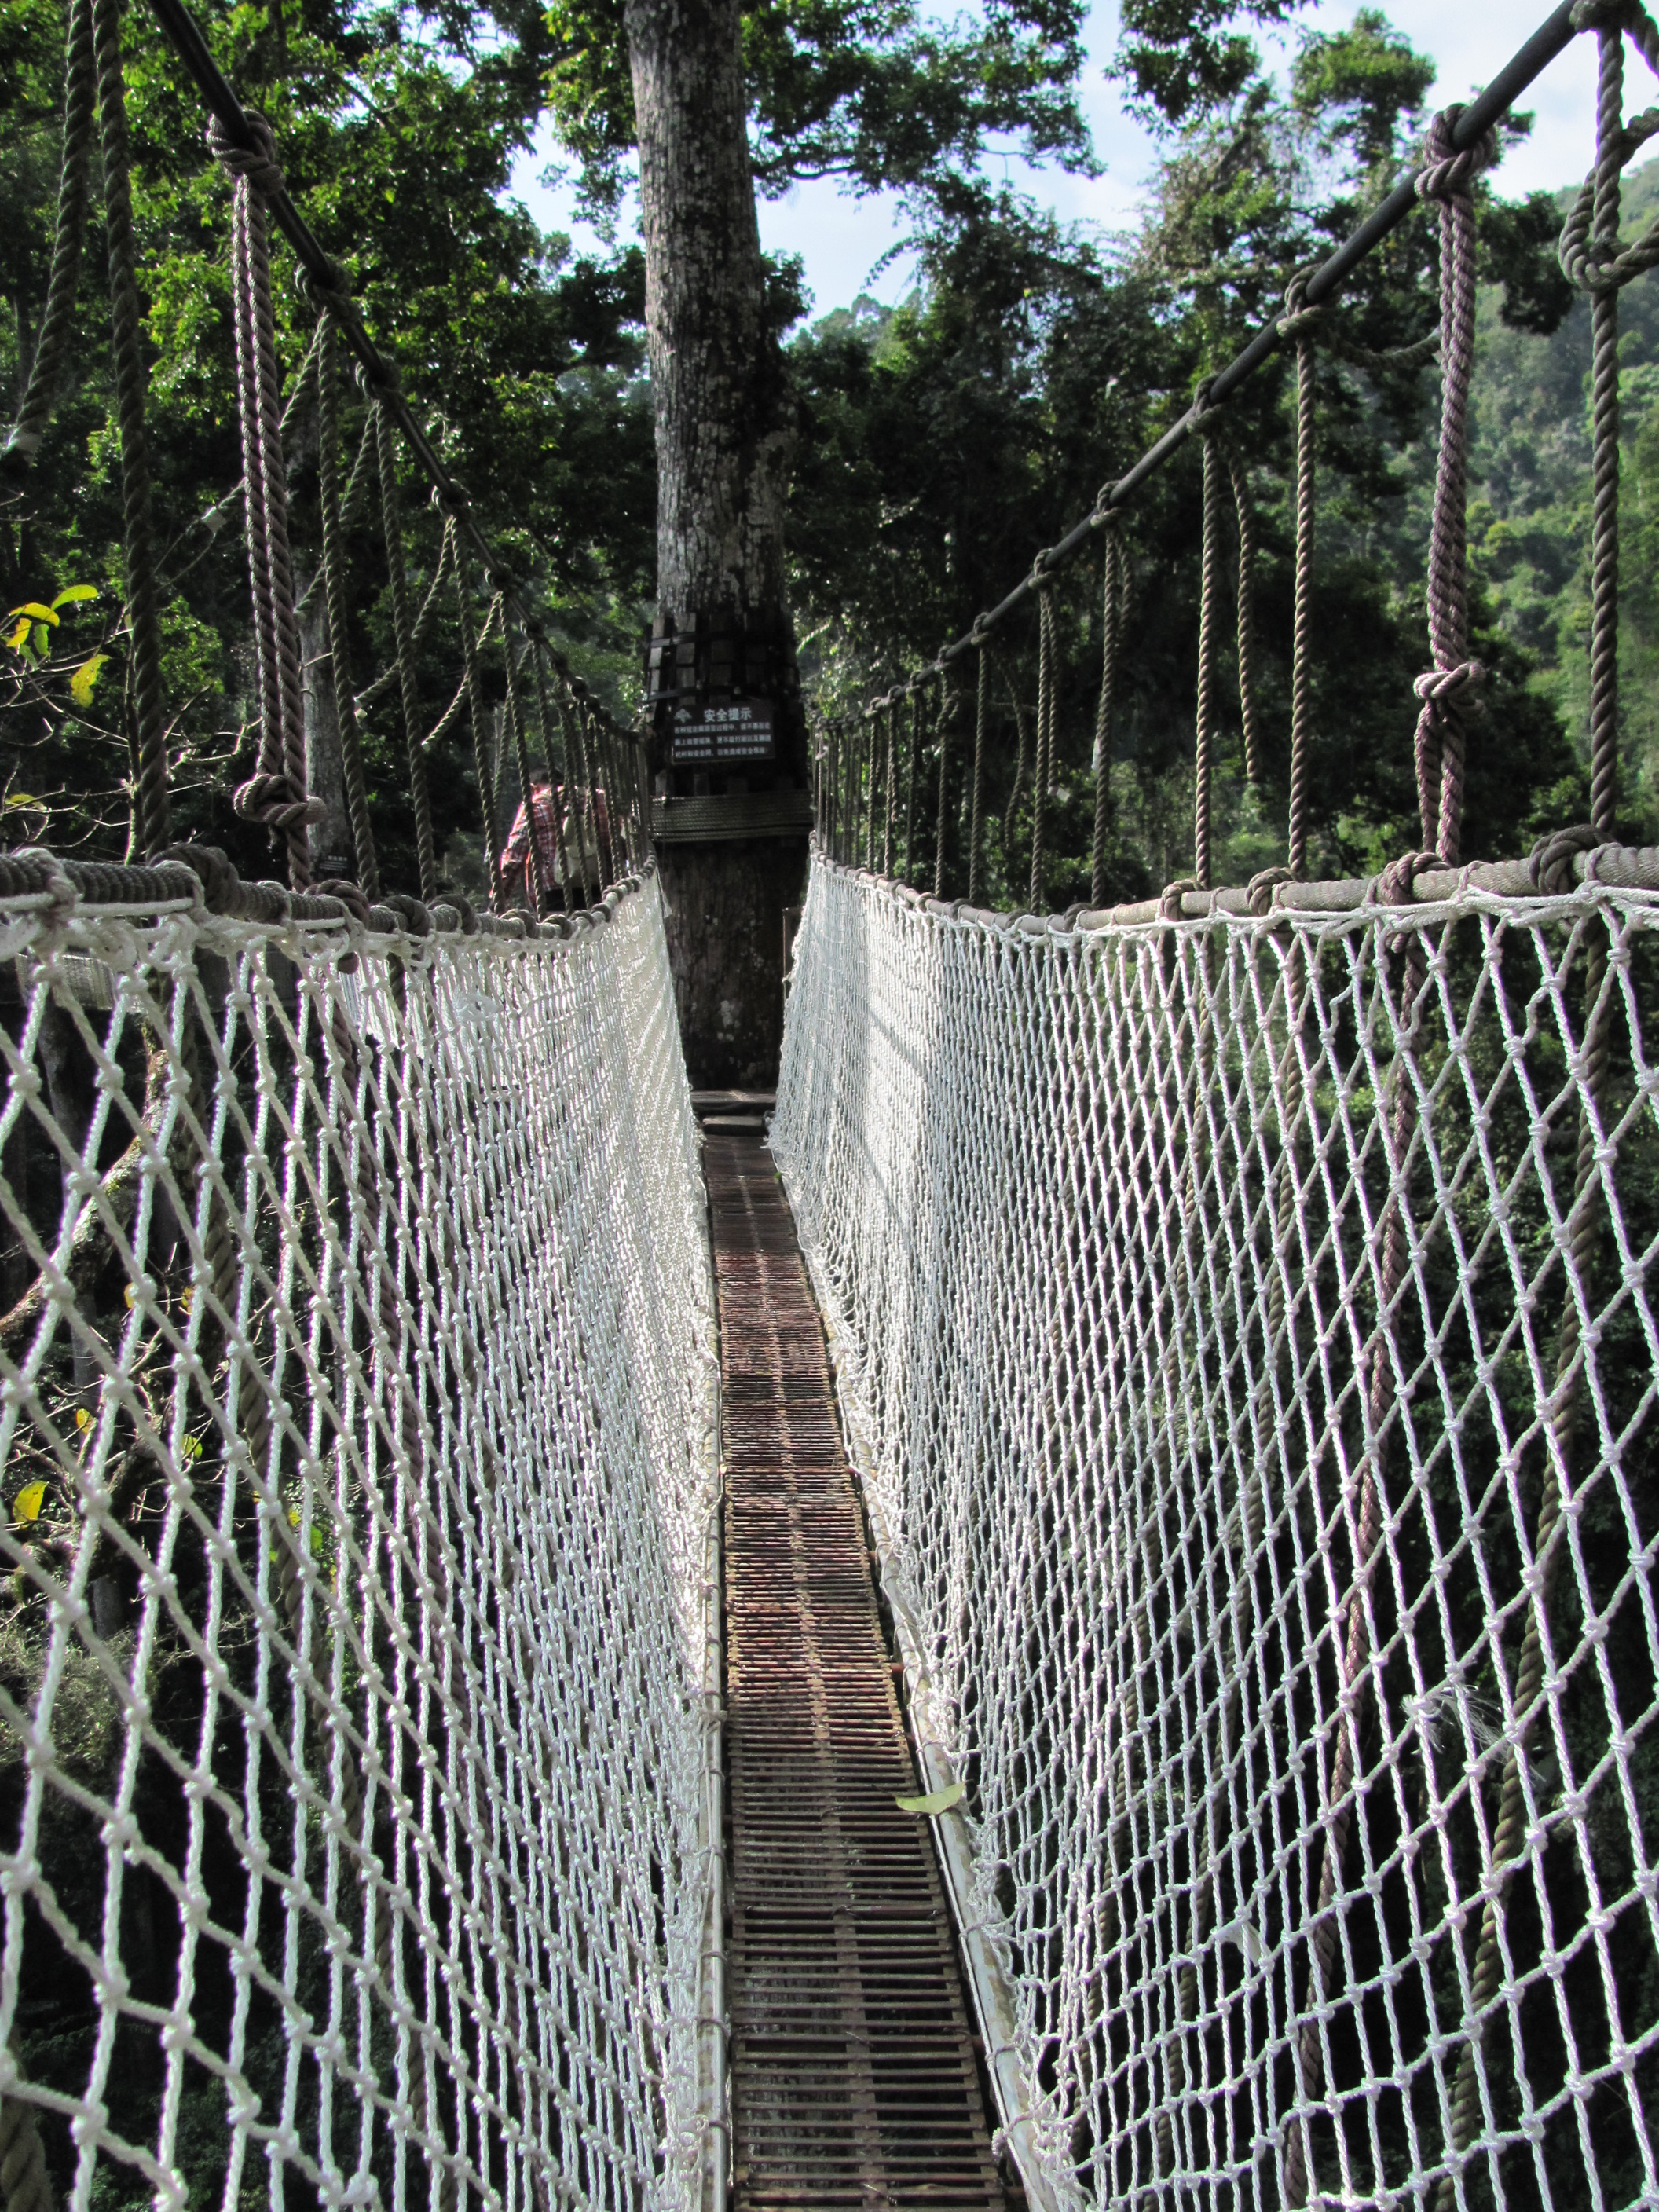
(853,2077)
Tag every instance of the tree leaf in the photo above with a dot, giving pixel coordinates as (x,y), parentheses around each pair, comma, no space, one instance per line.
(84,678)
(19,637)
(22,799)
(26,1506)
(74,595)
(40,614)
(940,1801)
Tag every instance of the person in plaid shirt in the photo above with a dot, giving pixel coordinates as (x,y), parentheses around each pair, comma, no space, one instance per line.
(547,803)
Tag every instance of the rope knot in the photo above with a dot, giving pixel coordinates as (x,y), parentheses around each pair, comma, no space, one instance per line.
(1299,319)
(329,291)
(212,866)
(351,895)
(1445,691)
(273,798)
(1169,898)
(414,916)
(258,163)
(1594,14)
(1550,863)
(1393,885)
(1259,892)
(1203,420)
(386,385)
(1449,173)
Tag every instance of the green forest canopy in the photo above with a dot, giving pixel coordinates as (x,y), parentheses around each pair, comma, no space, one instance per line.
(939,443)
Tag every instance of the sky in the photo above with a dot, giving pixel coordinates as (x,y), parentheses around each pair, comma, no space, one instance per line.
(841,238)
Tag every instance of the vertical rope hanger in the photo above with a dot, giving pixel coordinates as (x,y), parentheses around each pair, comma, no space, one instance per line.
(1111,563)
(947,708)
(918,713)
(1298,322)
(976,810)
(74,181)
(334,587)
(151,809)
(891,718)
(1047,689)
(275,794)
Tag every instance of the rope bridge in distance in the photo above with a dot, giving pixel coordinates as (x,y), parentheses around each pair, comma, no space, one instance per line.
(1242,1308)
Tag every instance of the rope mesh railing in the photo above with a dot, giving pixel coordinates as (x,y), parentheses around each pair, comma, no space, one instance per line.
(359,1792)
(358,1422)
(1242,1298)
(1249,1330)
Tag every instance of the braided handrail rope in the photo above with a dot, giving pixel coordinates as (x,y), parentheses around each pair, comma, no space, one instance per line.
(392,537)
(74,182)
(1298,323)
(376,372)
(976,805)
(1471,125)
(1042,772)
(277,793)
(149,733)
(947,707)
(334,585)
(1111,572)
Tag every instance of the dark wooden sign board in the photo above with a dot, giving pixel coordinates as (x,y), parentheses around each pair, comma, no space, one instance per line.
(721,731)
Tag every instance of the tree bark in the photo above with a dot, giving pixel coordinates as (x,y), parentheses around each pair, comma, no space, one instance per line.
(725,416)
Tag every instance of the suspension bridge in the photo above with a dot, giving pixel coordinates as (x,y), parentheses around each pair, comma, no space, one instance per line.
(1073,1623)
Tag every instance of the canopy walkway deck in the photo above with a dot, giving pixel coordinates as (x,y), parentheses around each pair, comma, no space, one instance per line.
(853,2073)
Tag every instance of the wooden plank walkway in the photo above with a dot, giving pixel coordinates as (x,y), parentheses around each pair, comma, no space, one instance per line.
(853,2075)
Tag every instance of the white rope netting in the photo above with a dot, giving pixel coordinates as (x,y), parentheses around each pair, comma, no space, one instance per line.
(359,1430)
(1255,1356)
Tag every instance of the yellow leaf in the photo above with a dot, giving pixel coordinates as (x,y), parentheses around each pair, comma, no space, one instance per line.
(82,1419)
(40,614)
(22,799)
(84,678)
(940,1801)
(20,636)
(74,595)
(191,1448)
(126,1295)
(186,1296)
(26,1506)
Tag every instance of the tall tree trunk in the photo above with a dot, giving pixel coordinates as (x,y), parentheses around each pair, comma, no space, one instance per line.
(733,853)
(724,414)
